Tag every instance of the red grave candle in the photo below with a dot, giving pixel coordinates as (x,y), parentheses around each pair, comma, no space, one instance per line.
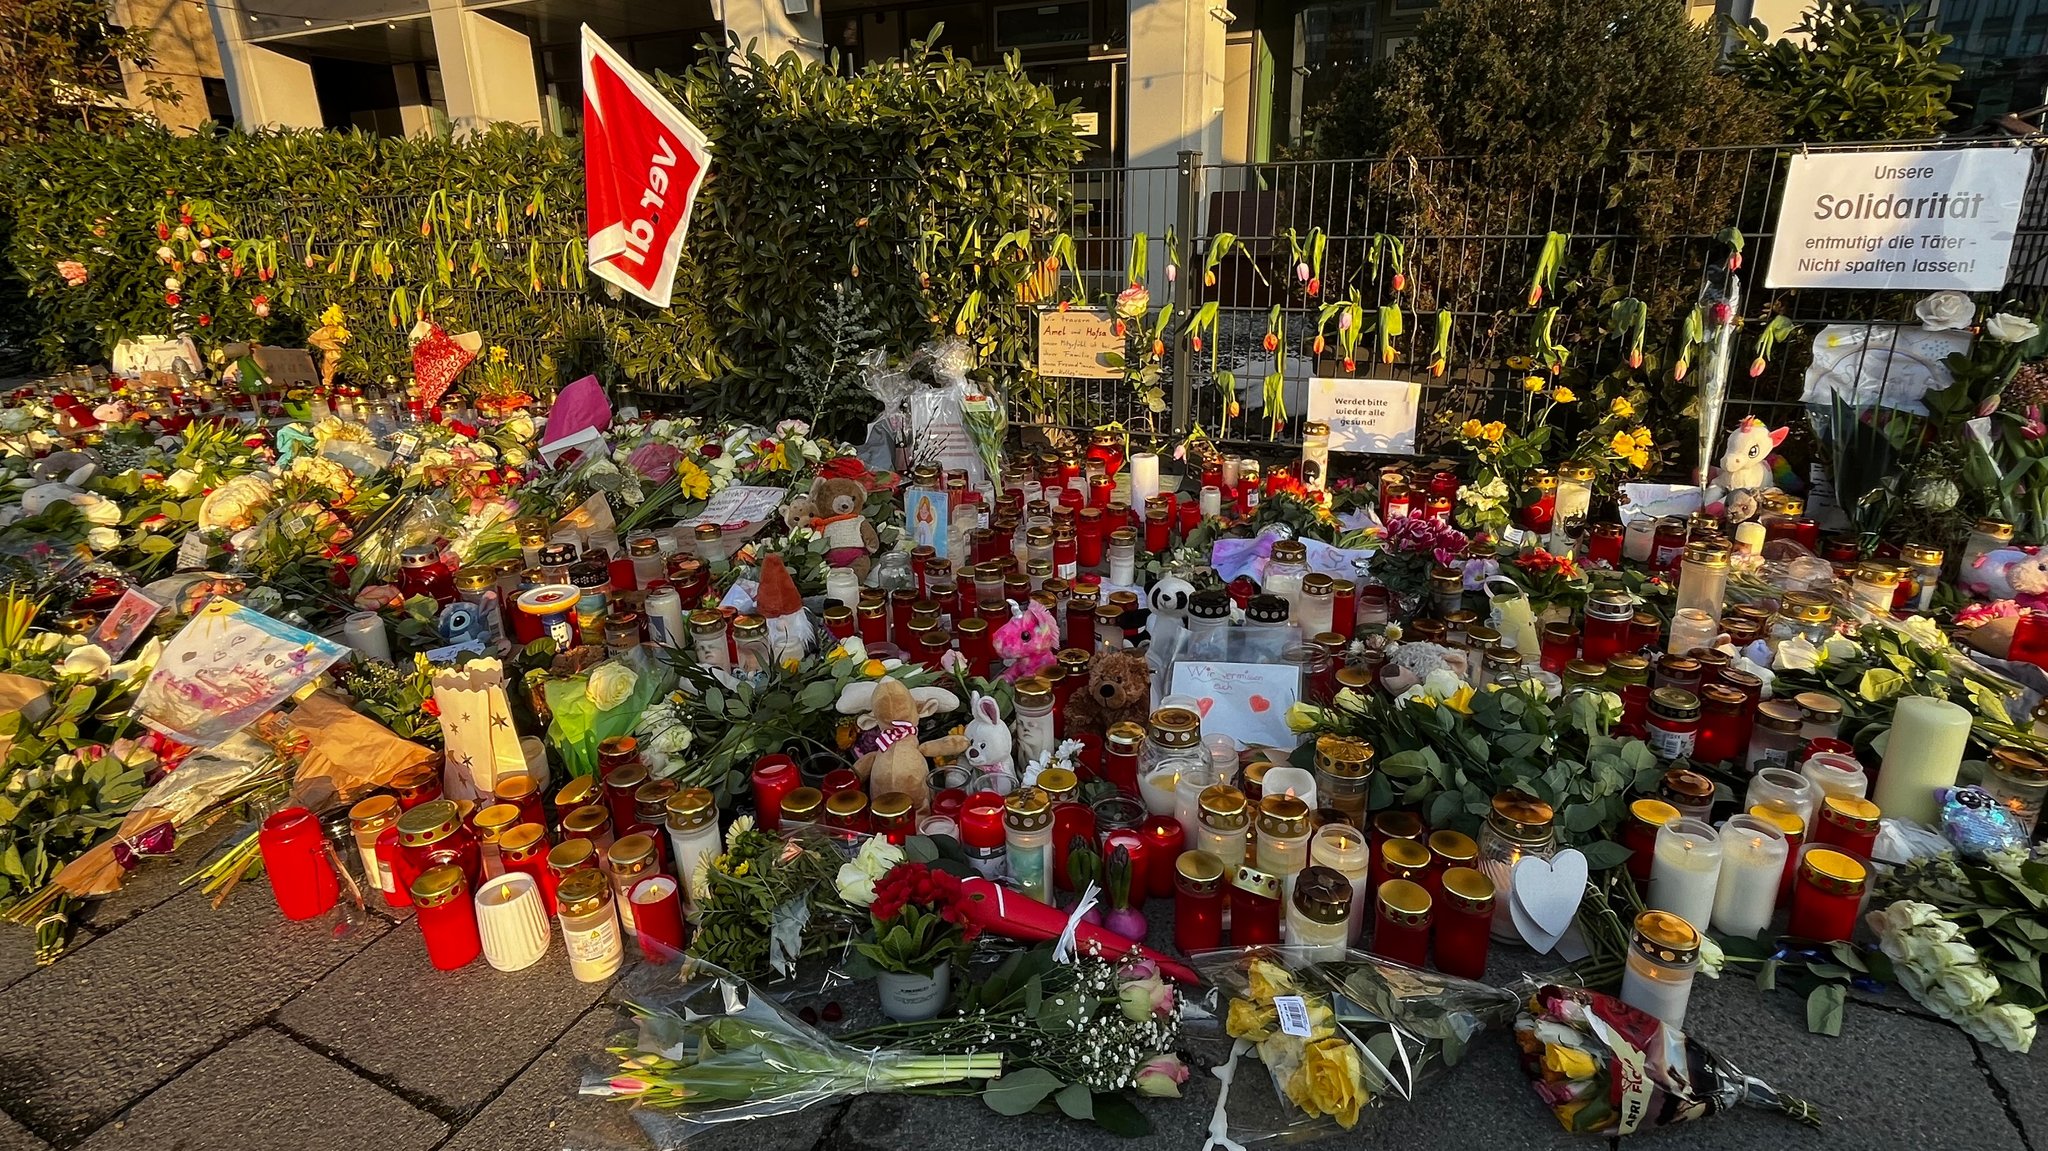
(1165,839)
(1254,908)
(1463,931)
(447,917)
(1826,896)
(774,776)
(1402,925)
(1198,902)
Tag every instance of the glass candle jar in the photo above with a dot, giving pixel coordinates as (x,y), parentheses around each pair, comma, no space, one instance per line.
(1573,500)
(1319,914)
(1923,573)
(1820,715)
(1668,544)
(1703,579)
(1724,725)
(1165,842)
(1753,854)
(1122,745)
(1691,628)
(1027,822)
(1173,748)
(692,819)
(1286,568)
(2018,778)
(1827,896)
(447,918)
(1782,788)
(1447,850)
(1401,923)
(1691,793)
(1831,766)
(1848,824)
(1035,734)
(416,785)
(490,823)
(1663,954)
(1254,908)
(1672,725)
(525,851)
(1988,535)
(1684,871)
(1399,859)
(1774,736)
(1608,615)
(1223,825)
(1558,646)
(773,778)
(1345,849)
(1344,775)
(1123,557)
(1283,839)
(367,820)
(1462,934)
(590,926)
(1801,615)
(1628,676)
(1518,826)
(1874,585)
(1197,902)
(1639,834)
(1316,603)
(434,833)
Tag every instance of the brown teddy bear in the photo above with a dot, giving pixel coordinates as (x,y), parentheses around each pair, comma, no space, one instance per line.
(889,713)
(834,508)
(1119,690)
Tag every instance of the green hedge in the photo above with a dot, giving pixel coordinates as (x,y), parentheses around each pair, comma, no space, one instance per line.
(903,180)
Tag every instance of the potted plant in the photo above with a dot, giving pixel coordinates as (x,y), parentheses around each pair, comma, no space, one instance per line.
(918,926)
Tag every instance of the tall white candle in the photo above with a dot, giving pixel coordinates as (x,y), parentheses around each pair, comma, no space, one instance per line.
(1344,848)
(1923,752)
(1752,863)
(1684,870)
(1144,479)
(364,631)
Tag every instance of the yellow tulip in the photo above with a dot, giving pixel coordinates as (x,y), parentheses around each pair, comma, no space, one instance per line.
(1564,395)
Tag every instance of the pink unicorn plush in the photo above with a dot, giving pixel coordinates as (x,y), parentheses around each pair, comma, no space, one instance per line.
(1028,641)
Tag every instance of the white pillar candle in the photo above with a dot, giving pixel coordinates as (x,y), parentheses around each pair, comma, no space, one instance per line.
(364,631)
(1752,863)
(1684,870)
(1923,751)
(1144,479)
(1343,847)
(1297,782)
(1157,788)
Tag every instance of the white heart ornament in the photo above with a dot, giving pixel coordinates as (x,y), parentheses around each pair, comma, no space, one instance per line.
(1545,896)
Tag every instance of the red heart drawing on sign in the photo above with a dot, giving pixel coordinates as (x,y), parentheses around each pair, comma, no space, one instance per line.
(1204,704)
(1260,703)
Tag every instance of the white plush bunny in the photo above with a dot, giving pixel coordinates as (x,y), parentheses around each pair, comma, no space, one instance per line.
(989,743)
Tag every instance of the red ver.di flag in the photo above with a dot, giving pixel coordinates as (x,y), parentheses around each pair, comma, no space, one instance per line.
(642,165)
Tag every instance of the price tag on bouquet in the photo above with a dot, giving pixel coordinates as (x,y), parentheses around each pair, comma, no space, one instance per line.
(1293,1012)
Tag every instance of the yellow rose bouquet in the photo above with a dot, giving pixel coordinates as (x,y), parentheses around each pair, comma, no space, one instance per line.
(1337,1036)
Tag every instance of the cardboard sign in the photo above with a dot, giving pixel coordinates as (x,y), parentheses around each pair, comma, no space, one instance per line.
(1076,343)
(738,504)
(286,367)
(1246,701)
(1367,415)
(1900,219)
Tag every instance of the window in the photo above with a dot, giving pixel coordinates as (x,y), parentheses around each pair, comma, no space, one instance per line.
(219,108)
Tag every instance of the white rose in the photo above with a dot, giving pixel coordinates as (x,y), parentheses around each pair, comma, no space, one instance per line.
(1839,649)
(104,512)
(103,539)
(1796,654)
(1945,312)
(855,886)
(88,661)
(1968,987)
(182,482)
(2007,328)
(2009,1025)
(1712,958)
(610,685)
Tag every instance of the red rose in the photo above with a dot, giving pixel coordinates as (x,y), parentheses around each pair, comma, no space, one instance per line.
(171,299)
(712,451)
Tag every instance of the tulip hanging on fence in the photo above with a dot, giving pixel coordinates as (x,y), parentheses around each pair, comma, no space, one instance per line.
(1393,252)
(1440,351)
(1767,341)
(1695,333)
(1350,326)
(1274,393)
(1544,279)
(1544,350)
(1627,318)
(1203,321)
(1172,256)
(1307,255)
(1391,325)
(1733,238)
(1220,245)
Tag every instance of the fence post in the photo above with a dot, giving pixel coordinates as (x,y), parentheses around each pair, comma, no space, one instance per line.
(1187,207)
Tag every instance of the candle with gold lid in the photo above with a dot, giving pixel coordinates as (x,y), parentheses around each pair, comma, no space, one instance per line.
(1663,954)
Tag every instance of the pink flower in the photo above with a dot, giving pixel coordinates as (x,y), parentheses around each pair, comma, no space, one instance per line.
(74,273)
(1161,1077)
(1141,970)
(378,596)
(1144,998)
(656,461)
(2033,428)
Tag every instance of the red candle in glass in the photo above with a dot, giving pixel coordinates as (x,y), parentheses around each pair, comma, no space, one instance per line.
(1088,537)
(973,636)
(1190,516)
(839,621)
(1724,725)
(1558,644)
(447,917)
(1080,626)
(1607,627)
(774,777)
(1100,489)
(1158,526)
(391,858)
(1165,839)
(1070,821)
(1603,544)
(1402,924)
(658,918)
(874,623)
(1645,630)
(993,612)
(1254,908)
(1241,590)
(1089,758)
(1463,931)
(1066,554)
(1198,902)
(1639,834)
(1826,896)
(1344,608)
(1848,825)
(294,851)
(900,602)
(2030,639)
(921,557)
(839,780)
(1120,746)
(948,802)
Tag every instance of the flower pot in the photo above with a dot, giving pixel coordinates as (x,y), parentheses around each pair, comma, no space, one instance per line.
(911,998)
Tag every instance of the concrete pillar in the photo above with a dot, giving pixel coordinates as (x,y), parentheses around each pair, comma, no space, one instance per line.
(487,73)
(268,89)
(775,28)
(415,114)
(1175,101)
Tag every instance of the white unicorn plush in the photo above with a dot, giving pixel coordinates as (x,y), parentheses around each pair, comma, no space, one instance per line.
(1745,467)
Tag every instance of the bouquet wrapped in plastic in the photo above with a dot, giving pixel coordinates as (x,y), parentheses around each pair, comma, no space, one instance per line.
(1605,1068)
(1339,1035)
(709,1047)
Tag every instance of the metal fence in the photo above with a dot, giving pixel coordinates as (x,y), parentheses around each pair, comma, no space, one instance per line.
(1646,227)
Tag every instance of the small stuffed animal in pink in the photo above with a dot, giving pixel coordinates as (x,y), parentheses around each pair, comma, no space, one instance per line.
(1989,578)
(2028,578)
(1027,642)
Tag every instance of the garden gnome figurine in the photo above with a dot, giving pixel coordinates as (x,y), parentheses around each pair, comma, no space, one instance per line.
(782,608)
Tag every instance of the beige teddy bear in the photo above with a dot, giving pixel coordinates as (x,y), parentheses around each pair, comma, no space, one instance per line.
(889,713)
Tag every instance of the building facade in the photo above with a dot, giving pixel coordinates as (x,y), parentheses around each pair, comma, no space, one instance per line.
(1233,79)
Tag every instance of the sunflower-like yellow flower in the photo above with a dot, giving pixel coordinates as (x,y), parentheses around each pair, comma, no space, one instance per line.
(1470,429)
(1564,395)
(1533,383)
(1621,409)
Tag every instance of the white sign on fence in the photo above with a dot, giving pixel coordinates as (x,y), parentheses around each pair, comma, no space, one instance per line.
(1900,219)
(1366,415)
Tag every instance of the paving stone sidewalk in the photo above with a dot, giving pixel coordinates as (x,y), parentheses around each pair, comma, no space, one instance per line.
(172,1026)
